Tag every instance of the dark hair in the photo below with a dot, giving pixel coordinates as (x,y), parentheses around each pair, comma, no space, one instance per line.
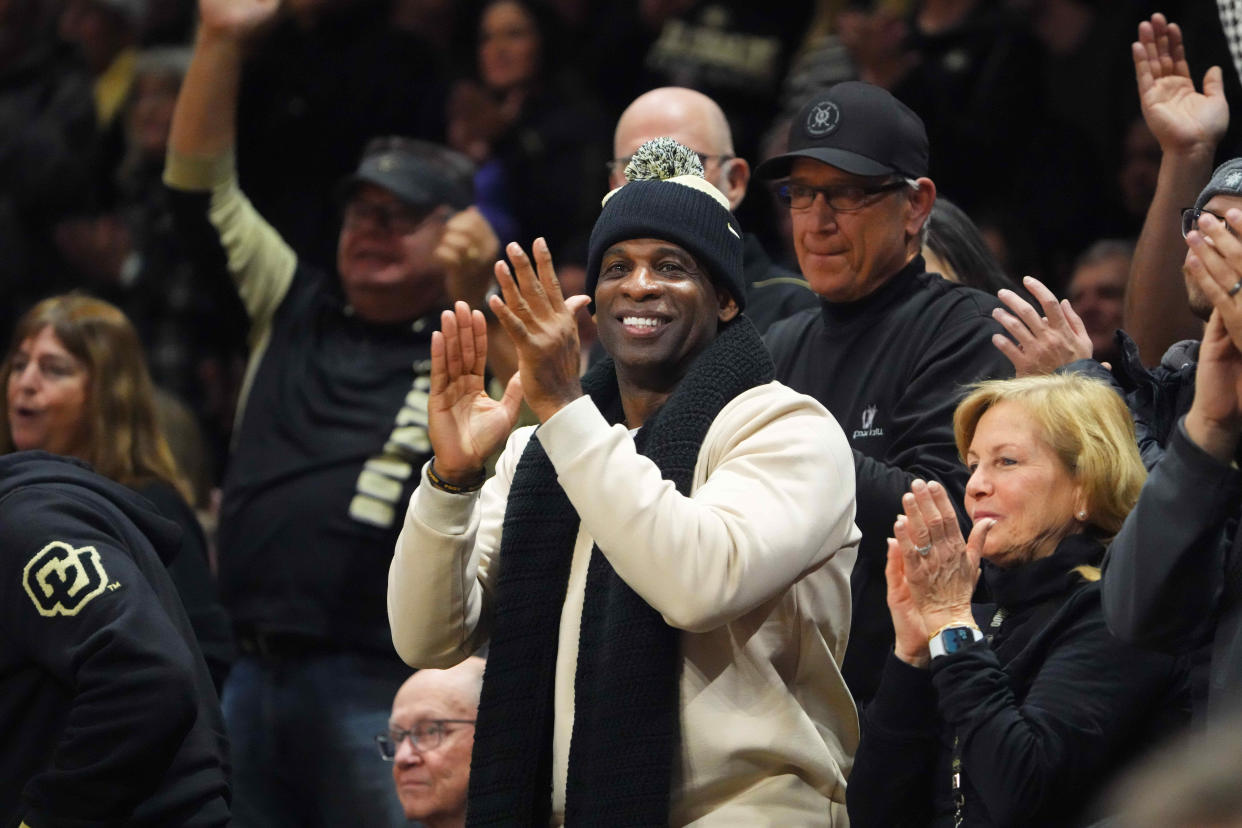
(956,240)
(548,28)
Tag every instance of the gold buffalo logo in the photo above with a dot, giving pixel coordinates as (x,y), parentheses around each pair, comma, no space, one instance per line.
(61,580)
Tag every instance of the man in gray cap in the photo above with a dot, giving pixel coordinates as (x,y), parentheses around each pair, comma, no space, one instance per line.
(891,347)
(1173,574)
(331,432)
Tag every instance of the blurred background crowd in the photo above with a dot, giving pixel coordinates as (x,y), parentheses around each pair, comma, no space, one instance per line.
(1030,106)
(1036,139)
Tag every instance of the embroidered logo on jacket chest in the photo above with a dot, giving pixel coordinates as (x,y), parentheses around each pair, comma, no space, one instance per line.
(868,429)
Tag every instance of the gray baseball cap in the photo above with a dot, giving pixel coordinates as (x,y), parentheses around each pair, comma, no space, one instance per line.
(419,173)
(1227,180)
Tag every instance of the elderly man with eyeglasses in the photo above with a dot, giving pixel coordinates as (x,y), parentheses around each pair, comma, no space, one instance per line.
(891,346)
(429,740)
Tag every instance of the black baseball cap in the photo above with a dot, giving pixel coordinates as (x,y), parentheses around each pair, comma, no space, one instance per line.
(856,127)
(419,173)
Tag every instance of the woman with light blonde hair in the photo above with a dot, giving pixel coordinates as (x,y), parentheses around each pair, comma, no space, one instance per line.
(1017,711)
(77,385)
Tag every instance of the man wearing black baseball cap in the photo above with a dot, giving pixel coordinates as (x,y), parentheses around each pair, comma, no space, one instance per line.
(328,441)
(892,346)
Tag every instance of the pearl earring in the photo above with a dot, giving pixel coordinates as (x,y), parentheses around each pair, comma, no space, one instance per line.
(1082,515)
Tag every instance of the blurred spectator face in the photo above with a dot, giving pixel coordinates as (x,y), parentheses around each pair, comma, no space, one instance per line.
(47,392)
(1097,292)
(432,777)
(1140,166)
(432,19)
(848,255)
(386,250)
(509,46)
(873,36)
(95,247)
(98,31)
(150,115)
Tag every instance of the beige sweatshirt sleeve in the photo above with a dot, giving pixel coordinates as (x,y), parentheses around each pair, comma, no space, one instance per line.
(441,575)
(260,262)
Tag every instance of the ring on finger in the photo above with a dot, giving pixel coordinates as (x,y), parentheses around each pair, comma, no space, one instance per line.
(923,550)
(1237,286)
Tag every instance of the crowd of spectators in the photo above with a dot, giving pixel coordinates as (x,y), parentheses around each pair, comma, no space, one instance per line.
(529,91)
(282,196)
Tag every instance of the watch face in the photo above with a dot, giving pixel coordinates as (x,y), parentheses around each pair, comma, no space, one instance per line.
(955,639)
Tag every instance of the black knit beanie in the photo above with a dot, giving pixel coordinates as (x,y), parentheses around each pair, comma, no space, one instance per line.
(667,198)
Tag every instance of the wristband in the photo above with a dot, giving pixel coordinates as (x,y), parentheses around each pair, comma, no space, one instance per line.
(438,482)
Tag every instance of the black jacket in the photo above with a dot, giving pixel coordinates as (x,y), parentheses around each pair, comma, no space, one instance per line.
(108,709)
(1157,398)
(1173,576)
(1043,715)
(891,368)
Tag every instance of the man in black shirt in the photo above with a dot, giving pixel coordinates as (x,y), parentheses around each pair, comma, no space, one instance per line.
(892,347)
(330,434)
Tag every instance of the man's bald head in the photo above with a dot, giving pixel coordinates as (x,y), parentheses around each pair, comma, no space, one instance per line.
(460,686)
(693,120)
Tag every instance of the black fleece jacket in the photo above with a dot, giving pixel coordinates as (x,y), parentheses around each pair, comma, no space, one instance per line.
(1042,716)
(107,708)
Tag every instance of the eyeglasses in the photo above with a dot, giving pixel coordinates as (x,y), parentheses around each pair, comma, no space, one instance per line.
(427,735)
(843,198)
(1190,220)
(394,217)
(618,165)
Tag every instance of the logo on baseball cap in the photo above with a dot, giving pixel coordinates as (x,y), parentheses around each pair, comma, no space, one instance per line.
(856,127)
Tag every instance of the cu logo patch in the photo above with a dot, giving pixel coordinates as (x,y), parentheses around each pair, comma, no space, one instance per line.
(61,580)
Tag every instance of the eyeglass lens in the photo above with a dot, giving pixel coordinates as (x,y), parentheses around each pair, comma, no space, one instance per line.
(1190,220)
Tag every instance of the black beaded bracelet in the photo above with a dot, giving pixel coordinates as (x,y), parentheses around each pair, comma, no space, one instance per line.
(438,482)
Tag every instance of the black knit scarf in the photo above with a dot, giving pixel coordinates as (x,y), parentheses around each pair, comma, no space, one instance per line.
(626,698)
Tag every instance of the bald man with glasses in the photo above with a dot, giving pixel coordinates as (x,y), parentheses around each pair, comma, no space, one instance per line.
(429,741)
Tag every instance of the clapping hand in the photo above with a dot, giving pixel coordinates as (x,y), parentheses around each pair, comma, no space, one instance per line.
(931,570)
(1041,344)
(465,425)
(467,250)
(540,322)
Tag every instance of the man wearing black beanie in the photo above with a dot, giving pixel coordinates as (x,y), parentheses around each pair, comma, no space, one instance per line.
(666,628)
